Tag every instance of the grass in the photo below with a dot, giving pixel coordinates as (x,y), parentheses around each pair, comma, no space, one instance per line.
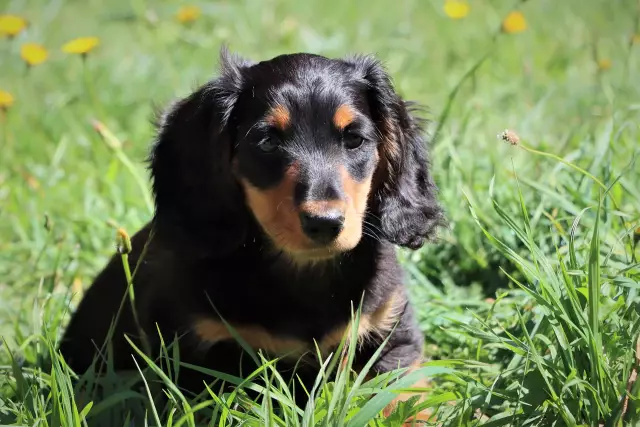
(529,301)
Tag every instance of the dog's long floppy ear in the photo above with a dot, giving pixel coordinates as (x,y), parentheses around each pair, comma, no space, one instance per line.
(196,198)
(404,193)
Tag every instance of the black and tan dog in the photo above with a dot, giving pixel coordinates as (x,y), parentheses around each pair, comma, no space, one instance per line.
(282,188)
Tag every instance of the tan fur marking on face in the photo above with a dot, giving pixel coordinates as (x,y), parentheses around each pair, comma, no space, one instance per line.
(274,209)
(279,117)
(358,195)
(343,116)
(372,325)
(214,331)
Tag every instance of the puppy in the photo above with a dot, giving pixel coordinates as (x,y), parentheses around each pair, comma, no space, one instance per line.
(282,189)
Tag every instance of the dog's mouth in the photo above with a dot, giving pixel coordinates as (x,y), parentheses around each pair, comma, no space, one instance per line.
(297,246)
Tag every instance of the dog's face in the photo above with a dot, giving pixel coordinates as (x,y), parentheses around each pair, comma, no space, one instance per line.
(306,152)
(319,151)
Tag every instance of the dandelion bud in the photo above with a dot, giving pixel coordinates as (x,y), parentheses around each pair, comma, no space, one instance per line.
(123,242)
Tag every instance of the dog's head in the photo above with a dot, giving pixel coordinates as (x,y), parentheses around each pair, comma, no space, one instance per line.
(318,151)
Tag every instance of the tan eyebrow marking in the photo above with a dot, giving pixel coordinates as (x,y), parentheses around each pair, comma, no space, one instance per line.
(279,117)
(343,116)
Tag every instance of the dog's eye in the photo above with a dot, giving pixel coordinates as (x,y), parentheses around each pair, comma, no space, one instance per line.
(352,141)
(268,145)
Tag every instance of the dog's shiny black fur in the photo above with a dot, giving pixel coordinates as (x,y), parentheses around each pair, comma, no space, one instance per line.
(205,248)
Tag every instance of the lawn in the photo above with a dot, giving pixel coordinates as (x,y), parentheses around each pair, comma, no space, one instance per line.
(529,300)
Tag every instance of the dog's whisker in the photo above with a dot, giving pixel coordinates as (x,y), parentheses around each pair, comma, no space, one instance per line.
(372,226)
(374,229)
(373,236)
(251,128)
(368,212)
(371,229)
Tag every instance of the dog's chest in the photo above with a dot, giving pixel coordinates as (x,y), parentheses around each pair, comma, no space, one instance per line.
(280,314)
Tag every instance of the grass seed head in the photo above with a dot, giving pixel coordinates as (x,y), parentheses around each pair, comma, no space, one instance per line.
(509,136)
(123,242)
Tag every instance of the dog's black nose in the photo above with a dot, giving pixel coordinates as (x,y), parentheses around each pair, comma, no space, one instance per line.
(322,228)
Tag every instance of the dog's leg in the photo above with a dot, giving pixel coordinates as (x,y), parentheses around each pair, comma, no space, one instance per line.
(405,350)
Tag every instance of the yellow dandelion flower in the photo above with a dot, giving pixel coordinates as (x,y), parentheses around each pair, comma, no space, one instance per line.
(188,14)
(11,25)
(604,64)
(635,39)
(456,9)
(81,45)
(6,100)
(514,23)
(33,53)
